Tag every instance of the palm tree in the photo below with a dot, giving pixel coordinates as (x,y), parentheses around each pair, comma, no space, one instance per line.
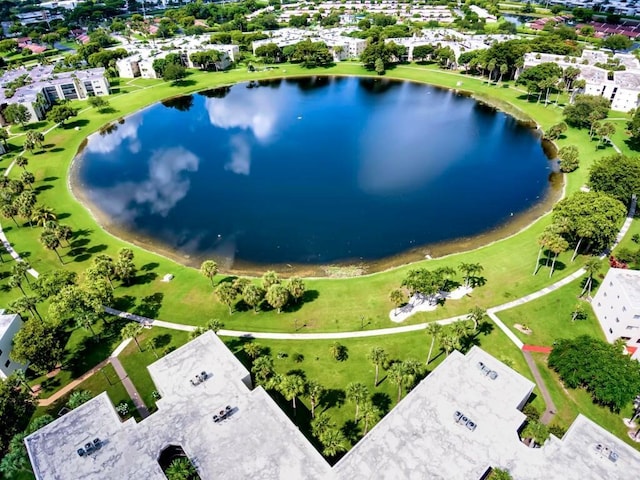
(557,245)
(10,211)
(132,330)
(22,162)
(227,295)
(333,441)
(591,268)
(209,269)
(396,374)
(252,349)
(181,469)
(262,368)
(397,298)
(215,325)
(21,377)
(314,392)
(22,269)
(16,281)
(43,214)
(369,414)
(153,344)
(475,315)
(357,392)
(296,288)
(292,386)
(25,304)
(378,357)
(544,241)
(253,296)
(435,330)
(28,178)
(78,397)
(51,242)
(64,232)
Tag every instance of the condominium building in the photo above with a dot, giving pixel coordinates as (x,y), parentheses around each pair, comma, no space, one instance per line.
(461,421)
(9,325)
(620,87)
(43,87)
(617,306)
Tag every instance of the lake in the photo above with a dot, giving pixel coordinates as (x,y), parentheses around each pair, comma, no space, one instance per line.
(311,171)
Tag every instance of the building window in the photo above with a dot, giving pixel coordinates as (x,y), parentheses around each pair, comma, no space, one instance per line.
(7,363)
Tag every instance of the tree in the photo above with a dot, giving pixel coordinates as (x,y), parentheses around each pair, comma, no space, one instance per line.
(296,288)
(616,175)
(556,244)
(9,211)
(269,52)
(125,269)
(585,110)
(16,113)
(51,242)
(605,131)
(314,391)
(50,283)
(424,52)
(536,431)
(61,113)
(132,330)
(379,66)
(209,269)
(270,278)
(99,103)
(579,312)
(252,349)
(253,296)
(369,414)
(22,162)
(181,469)
(609,375)
(226,294)
(500,474)
(378,357)
(25,304)
(277,296)
(39,344)
(397,298)
(174,72)
(42,214)
(357,392)
(617,42)
(63,232)
(569,160)
(396,374)
(292,386)
(591,267)
(476,314)
(78,397)
(17,404)
(434,329)
(333,441)
(262,369)
(28,179)
(215,325)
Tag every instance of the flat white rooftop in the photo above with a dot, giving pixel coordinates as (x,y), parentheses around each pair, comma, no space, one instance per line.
(423,437)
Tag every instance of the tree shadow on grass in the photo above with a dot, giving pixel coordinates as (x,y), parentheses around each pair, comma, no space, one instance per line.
(124,303)
(150,305)
(163,340)
(308,297)
(97,248)
(42,188)
(381,401)
(148,267)
(332,397)
(352,431)
(145,278)
(80,122)
(63,215)
(81,242)
(56,150)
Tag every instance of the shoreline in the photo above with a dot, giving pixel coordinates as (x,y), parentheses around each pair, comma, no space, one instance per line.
(347,268)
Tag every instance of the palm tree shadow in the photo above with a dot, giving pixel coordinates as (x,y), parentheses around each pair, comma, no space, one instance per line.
(352,431)
(332,397)
(381,401)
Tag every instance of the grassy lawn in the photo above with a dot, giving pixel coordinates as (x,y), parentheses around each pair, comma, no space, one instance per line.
(549,317)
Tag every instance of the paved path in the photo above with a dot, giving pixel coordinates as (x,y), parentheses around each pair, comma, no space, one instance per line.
(550,411)
(45,402)
(130,387)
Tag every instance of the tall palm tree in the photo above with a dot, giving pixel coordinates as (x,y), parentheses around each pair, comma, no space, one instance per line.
(9,210)
(369,414)
(132,330)
(434,329)
(357,392)
(51,242)
(557,245)
(333,441)
(209,269)
(181,469)
(22,269)
(252,349)
(396,374)
(378,357)
(592,267)
(314,391)
(292,386)
(64,232)
(22,162)
(28,178)
(475,315)
(16,281)
(43,214)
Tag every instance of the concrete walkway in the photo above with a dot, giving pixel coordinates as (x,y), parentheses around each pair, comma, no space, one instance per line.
(130,387)
(45,402)
(550,411)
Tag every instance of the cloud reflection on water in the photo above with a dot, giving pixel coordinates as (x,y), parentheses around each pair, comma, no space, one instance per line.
(123,131)
(166,184)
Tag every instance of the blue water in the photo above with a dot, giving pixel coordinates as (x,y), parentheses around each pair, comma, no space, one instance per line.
(313,171)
